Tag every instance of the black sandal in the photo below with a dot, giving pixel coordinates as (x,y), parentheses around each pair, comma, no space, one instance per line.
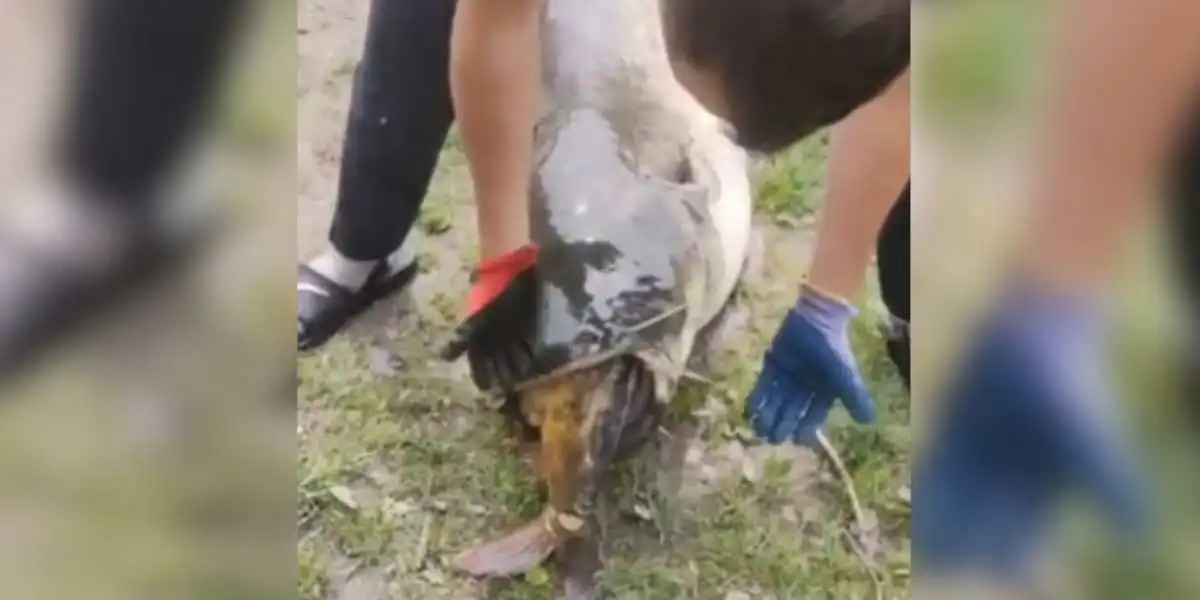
(59,301)
(324,307)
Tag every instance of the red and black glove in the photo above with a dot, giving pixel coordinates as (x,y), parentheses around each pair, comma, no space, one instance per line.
(497,333)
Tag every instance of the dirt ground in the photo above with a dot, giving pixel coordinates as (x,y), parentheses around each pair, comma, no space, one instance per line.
(400,466)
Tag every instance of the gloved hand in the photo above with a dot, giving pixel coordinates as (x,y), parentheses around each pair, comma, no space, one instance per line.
(1030,418)
(495,334)
(808,366)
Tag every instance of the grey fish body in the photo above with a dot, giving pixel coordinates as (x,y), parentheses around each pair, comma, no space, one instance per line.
(641,202)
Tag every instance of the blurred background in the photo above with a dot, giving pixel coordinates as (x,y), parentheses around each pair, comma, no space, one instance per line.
(154,458)
(979,71)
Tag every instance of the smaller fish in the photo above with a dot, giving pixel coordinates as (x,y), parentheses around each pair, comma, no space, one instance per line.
(587,420)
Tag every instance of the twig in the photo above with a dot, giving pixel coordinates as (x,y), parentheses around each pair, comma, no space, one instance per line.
(422,545)
(831,454)
(866,562)
(860,521)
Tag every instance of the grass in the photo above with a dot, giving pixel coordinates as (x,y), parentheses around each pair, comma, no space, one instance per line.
(399,472)
(790,187)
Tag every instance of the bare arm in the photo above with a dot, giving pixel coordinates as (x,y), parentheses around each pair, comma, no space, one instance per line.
(495,70)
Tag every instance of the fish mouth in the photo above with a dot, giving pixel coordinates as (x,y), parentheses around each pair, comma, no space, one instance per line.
(583,358)
(608,404)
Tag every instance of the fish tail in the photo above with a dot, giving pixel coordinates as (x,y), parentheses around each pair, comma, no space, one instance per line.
(516,552)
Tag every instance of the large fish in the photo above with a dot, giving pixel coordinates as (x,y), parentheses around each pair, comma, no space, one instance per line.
(642,208)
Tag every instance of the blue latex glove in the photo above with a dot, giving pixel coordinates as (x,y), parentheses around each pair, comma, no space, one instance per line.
(808,366)
(1030,418)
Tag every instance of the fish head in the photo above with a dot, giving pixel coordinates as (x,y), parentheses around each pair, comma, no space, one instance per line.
(621,247)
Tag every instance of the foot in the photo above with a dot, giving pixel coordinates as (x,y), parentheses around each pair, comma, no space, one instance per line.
(64,258)
(332,290)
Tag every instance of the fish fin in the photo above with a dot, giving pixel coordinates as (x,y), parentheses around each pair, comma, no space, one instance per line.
(514,553)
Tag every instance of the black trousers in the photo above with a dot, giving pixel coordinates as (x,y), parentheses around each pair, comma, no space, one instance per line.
(400,113)
(146,70)
(144,73)
(892,257)
(1184,214)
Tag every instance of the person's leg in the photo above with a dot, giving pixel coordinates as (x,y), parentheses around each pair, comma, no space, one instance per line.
(495,77)
(1184,212)
(144,74)
(892,253)
(1183,218)
(892,258)
(400,113)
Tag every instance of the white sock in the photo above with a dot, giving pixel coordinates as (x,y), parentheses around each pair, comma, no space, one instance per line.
(352,274)
(83,233)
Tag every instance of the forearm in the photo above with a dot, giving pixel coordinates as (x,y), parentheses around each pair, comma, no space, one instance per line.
(869,163)
(495,71)
(1113,111)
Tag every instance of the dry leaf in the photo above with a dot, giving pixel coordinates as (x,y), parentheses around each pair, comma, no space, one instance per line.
(345,496)
(642,512)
